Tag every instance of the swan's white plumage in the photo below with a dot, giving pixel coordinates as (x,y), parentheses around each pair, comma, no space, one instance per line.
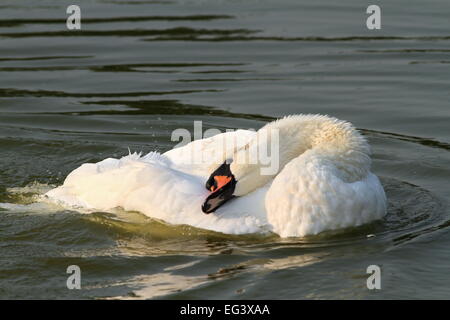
(327,186)
(316,199)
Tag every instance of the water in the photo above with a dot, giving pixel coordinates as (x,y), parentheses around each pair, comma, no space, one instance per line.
(140,69)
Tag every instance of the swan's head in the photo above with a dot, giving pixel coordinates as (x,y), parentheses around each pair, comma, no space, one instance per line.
(229,181)
(221,183)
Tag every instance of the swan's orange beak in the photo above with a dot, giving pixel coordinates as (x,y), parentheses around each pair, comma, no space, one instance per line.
(221,183)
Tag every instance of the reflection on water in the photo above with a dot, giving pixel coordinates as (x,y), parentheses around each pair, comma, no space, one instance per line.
(161,284)
(140,69)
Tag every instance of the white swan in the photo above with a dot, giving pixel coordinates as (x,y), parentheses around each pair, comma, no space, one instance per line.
(323,181)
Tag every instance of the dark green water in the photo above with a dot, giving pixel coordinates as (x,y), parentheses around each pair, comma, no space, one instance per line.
(140,69)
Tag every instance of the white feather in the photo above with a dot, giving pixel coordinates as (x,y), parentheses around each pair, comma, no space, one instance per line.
(326,185)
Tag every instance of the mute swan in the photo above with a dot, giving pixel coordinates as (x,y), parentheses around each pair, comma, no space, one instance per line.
(322,181)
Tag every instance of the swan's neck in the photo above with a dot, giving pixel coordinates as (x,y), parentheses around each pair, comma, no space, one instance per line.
(322,138)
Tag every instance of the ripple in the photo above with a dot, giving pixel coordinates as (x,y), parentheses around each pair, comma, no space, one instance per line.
(431,62)
(137,2)
(177,67)
(175,33)
(11,92)
(422,141)
(44,58)
(301,39)
(404,50)
(19,22)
